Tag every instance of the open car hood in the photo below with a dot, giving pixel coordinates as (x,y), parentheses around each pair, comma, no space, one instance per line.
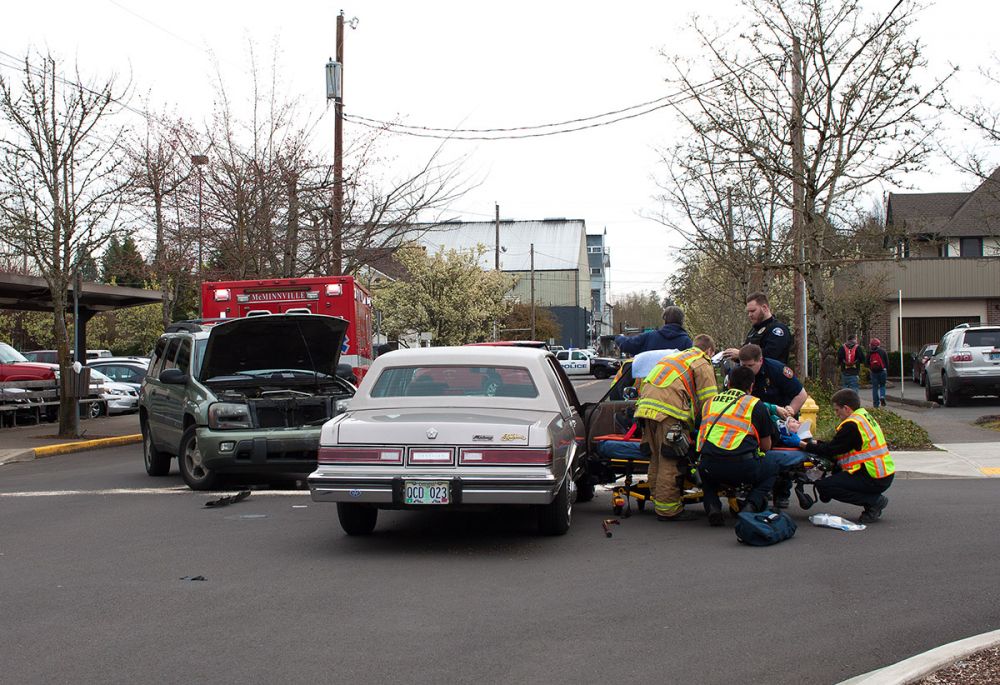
(307,342)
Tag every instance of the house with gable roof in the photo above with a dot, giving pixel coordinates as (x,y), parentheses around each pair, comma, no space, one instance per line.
(946,265)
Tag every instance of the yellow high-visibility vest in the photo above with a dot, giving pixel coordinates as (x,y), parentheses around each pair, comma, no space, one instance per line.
(675,367)
(727,420)
(874,453)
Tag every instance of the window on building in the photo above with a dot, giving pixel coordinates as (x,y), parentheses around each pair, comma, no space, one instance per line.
(594,249)
(595,271)
(903,248)
(943,250)
(970,247)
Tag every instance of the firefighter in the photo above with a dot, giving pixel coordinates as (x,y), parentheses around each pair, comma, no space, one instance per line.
(670,402)
(864,469)
(735,432)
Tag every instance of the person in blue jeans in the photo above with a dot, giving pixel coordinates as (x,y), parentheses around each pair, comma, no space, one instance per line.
(878,364)
(850,357)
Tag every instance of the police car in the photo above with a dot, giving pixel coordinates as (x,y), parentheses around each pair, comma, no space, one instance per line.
(574,362)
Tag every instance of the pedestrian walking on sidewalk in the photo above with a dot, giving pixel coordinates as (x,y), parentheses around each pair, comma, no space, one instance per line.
(878,364)
(849,357)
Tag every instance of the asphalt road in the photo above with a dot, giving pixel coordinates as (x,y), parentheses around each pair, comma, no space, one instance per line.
(92,562)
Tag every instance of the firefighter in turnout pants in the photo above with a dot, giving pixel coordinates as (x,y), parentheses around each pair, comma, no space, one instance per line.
(670,402)
(864,466)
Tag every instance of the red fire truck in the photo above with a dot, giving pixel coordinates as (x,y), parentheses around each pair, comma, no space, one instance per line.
(331,295)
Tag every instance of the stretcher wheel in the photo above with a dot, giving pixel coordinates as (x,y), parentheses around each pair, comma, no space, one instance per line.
(617,510)
(641,503)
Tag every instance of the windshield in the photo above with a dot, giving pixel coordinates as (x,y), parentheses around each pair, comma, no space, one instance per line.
(8,355)
(455,381)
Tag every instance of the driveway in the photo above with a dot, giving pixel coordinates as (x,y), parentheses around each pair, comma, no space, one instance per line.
(946,425)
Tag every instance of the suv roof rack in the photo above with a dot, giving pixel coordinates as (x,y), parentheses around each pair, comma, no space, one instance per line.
(193,325)
(962,325)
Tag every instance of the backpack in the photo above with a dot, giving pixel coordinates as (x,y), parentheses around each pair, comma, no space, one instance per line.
(764,528)
(850,355)
(875,361)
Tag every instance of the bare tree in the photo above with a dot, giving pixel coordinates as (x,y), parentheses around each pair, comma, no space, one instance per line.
(60,182)
(865,116)
(160,170)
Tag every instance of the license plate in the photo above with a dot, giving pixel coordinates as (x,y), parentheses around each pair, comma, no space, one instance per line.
(994,356)
(426,492)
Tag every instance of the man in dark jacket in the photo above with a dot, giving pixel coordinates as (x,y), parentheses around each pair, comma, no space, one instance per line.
(772,336)
(671,336)
(850,357)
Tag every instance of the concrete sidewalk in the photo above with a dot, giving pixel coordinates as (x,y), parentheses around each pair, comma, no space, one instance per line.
(25,443)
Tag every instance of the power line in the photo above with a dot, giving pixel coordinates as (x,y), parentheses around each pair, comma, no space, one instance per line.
(443,133)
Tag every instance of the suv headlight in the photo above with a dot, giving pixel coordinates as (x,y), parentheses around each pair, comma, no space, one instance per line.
(228,415)
(342,406)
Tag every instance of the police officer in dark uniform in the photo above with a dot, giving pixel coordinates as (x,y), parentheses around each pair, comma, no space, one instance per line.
(772,336)
(775,383)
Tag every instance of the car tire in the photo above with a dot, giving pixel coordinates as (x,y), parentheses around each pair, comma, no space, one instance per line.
(602,374)
(357,519)
(197,476)
(949,397)
(157,462)
(929,394)
(923,379)
(95,410)
(554,518)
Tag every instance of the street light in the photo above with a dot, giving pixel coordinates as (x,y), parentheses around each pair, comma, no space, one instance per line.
(199,161)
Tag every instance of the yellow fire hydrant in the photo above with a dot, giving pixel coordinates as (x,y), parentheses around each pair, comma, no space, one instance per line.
(810,412)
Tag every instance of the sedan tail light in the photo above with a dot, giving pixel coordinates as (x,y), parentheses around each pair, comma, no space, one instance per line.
(962,357)
(360,455)
(505,457)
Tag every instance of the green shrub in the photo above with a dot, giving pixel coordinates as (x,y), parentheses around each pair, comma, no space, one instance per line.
(900,433)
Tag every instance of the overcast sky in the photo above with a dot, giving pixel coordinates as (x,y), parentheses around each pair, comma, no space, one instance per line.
(469,65)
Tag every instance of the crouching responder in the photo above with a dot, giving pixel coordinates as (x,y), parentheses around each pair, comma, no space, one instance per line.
(670,402)
(864,466)
(735,432)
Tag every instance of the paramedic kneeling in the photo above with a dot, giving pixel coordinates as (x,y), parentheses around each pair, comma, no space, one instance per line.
(864,466)
(735,431)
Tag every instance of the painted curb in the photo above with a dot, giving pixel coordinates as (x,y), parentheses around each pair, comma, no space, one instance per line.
(80,446)
(921,665)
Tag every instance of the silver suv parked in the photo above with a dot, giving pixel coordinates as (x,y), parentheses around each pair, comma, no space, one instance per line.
(248,396)
(966,363)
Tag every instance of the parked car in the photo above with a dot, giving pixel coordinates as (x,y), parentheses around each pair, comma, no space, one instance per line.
(451,427)
(118,398)
(574,362)
(920,362)
(248,396)
(14,366)
(966,362)
(130,370)
(52,356)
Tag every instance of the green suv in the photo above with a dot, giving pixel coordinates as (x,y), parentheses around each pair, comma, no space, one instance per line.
(247,396)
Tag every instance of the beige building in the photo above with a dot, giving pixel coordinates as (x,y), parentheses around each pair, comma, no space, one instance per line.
(947,264)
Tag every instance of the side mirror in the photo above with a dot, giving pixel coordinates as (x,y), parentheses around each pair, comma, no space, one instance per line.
(173,377)
(630,393)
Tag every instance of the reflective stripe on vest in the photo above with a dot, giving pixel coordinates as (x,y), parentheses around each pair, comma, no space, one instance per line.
(648,408)
(670,368)
(874,453)
(726,423)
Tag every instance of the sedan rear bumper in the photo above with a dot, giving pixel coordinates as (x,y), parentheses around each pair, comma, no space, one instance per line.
(387,489)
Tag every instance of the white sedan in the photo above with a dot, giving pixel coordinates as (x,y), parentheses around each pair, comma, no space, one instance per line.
(448,427)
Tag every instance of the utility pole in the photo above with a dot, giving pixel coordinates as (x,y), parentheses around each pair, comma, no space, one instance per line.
(338,158)
(498,237)
(798,220)
(532,291)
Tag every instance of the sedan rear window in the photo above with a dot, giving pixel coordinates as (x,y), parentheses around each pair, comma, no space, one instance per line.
(988,337)
(455,381)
